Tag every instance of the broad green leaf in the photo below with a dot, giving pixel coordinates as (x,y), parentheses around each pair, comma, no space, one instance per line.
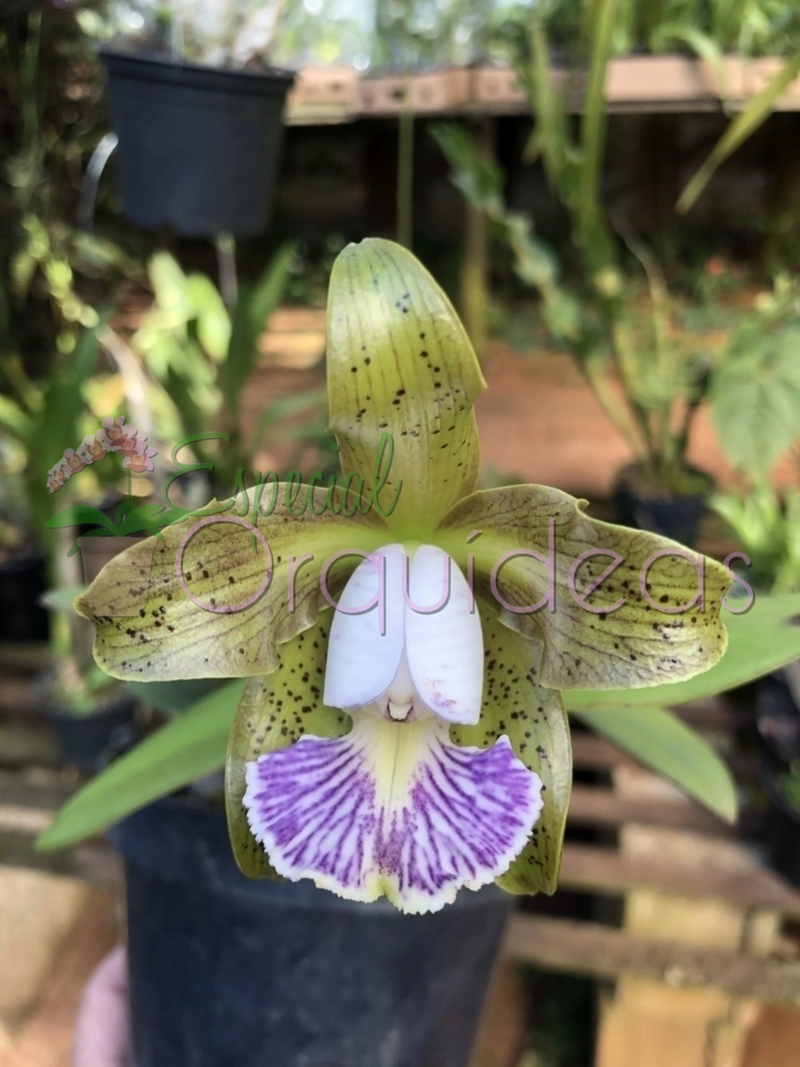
(534,720)
(210,597)
(659,740)
(756,112)
(213,320)
(275,710)
(400,364)
(617,636)
(80,514)
(759,641)
(755,394)
(189,747)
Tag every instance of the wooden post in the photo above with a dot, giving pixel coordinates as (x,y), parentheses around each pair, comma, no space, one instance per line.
(651,1022)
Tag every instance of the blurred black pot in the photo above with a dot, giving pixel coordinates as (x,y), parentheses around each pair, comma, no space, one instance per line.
(22,583)
(227,970)
(778,722)
(645,507)
(198,146)
(91,741)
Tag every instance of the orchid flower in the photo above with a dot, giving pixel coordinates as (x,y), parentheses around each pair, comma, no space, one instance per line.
(406,638)
(95,447)
(116,431)
(139,459)
(74,462)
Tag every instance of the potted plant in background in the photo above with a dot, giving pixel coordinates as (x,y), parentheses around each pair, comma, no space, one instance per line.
(755,402)
(198,113)
(347,983)
(201,354)
(93,716)
(649,383)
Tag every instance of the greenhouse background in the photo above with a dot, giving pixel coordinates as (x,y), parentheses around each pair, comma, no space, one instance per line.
(606,193)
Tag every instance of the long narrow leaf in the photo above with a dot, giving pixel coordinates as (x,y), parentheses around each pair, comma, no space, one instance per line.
(757,111)
(593,127)
(659,740)
(187,748)
(761,640)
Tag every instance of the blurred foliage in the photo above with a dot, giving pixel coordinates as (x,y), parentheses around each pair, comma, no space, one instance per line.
(768,530)
(202,354)
(616,337)
(52,114)
(707,28)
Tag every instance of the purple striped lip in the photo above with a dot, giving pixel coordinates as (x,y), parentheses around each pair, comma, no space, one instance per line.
(392,808)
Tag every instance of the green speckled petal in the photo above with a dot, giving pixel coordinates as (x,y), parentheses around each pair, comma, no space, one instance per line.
(533,718)
(195,624)
(274,712)
(401,364)
(635,633)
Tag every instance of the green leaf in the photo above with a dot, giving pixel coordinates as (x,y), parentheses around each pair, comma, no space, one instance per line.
(80,515)
(593,128)
(759,641)
(16,422)
(173,698)
(659,740)
(755,394)
(757,111)
(187,748)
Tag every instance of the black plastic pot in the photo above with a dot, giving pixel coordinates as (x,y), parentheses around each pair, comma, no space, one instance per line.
(22,583)
(225,970)
(675,517)
(90,742)
(198,147)
(778,722)
(783,826)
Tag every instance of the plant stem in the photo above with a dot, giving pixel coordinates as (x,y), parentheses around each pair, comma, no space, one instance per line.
(405,169)
(475,256)
(226,264)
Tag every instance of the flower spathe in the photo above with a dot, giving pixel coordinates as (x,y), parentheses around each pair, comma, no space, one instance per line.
(394,807)
(402,750)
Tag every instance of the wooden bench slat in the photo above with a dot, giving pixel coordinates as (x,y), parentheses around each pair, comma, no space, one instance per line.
(599,806)
(604,870)
(605,952)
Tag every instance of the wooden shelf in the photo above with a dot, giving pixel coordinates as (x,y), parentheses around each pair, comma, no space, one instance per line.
(651,84)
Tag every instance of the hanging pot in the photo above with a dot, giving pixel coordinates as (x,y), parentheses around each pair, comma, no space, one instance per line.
(199,147)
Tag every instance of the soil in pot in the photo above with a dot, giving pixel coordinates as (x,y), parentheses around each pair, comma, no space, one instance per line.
(672,510)
(22,583)
(227,970)
(199,147)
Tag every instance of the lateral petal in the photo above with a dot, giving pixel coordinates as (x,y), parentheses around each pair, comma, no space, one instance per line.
(444,643)
(366,646)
